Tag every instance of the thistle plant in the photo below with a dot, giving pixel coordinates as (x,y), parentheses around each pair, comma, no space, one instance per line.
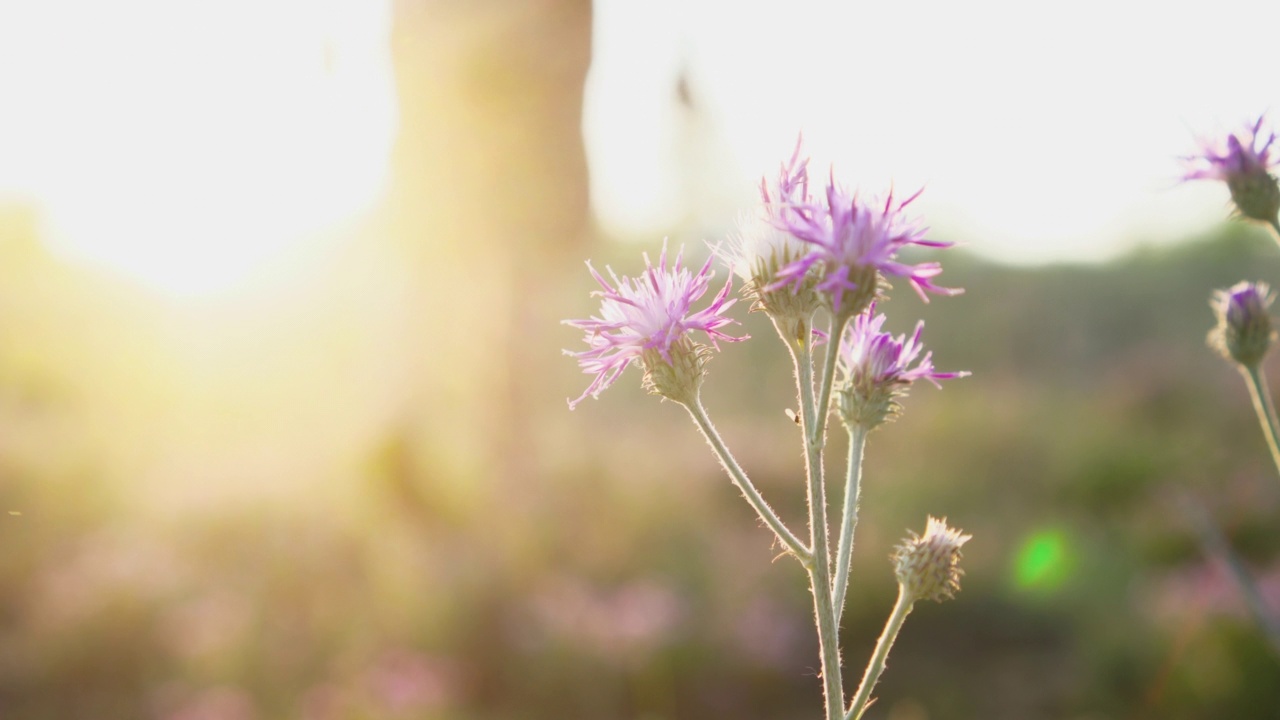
(817,268)
(1243,333)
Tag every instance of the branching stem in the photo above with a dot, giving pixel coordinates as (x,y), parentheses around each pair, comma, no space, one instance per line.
(749,491)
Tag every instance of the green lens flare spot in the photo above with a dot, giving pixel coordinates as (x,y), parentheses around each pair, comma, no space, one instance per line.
(1043,561)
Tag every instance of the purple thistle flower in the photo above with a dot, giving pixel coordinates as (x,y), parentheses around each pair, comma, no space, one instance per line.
(1244,331)
(649,319)
(878,357)
(1237,154)
(1243,161)
(853,241)
(877,369)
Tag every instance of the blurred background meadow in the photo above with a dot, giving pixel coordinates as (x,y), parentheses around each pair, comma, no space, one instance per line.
(283,430)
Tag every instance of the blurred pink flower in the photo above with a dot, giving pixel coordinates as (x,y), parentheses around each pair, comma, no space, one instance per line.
(1237,154)
(1243,161)
(626,623)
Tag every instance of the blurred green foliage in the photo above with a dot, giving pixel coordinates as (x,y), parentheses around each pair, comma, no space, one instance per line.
(620,576)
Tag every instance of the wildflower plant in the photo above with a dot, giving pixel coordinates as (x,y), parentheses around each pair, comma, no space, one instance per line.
(801,261)
(1243,334)
(1244,330)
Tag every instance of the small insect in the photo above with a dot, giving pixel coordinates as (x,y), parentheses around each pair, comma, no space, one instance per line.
(792,415)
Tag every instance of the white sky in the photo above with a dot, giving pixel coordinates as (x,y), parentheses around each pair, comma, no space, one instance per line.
(1041,131)
(187,142)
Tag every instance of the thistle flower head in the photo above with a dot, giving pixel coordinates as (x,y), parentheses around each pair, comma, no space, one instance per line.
(1244,332)
(756,252)
(853,243)
(876,370)
(759,249)
(650,319)
(928,565)
(1243,161)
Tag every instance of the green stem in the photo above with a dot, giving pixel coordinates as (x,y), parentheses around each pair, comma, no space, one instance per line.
(740,479)
(1274,226)
(820,586)
(798,339)
(814,411)
(849,521)
(817,432)
(1261,395)
(874,668)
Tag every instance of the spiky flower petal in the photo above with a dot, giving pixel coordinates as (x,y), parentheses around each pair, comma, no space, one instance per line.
(876,370)
(1244,331)
(1243,161)
(928,565)
(650,319)
(853,243)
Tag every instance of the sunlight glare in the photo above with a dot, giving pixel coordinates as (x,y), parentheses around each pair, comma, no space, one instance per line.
(186,144)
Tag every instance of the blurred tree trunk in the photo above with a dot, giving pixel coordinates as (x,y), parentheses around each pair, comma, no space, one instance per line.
(488,201)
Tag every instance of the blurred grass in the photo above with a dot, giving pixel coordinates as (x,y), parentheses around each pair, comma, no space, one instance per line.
(204,530)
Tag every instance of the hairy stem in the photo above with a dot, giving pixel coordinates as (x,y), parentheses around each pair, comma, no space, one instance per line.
(874,668)
(745,486)
(1261,395)
(814,412)
(849,520)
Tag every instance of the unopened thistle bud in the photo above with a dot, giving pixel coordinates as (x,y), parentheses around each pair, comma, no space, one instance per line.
(928,565)
(1244,332)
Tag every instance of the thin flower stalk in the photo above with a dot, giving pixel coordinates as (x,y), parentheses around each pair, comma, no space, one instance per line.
(744,484)
(814,411)
(875,668)
(849,518)
(1265,409)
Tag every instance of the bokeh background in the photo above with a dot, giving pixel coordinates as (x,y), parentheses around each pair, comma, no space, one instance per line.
(282,407)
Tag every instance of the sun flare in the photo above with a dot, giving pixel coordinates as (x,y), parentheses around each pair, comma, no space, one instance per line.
(185,145)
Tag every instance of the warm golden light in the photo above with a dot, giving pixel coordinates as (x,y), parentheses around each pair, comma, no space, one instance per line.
(185,145)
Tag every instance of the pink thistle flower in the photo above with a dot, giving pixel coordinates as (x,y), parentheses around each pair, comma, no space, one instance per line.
(877,369)
(852,243)
(649,319)
(1243,161)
